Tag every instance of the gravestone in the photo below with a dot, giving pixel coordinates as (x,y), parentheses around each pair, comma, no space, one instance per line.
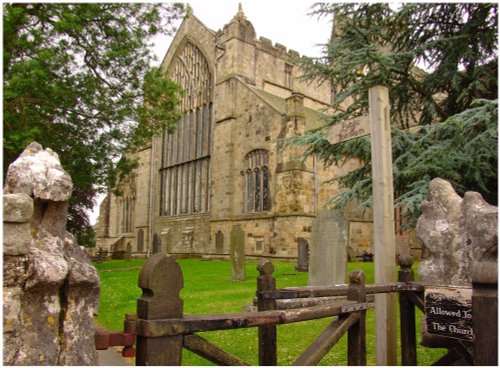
(128,254)
(302,255)
(328,262)
(140,240)
(237,253)
(50,287)
(99,255)
(219,242)
(156,243)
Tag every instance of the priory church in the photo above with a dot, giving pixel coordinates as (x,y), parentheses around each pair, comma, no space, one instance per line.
(226,167)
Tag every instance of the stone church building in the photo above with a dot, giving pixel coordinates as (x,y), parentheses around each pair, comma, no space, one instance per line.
(226,165)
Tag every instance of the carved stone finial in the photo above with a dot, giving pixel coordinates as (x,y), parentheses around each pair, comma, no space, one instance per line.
(240,14)
(240,10)
(265,267)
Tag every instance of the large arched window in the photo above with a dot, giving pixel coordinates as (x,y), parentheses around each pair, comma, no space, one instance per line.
(186,152)
(257,182)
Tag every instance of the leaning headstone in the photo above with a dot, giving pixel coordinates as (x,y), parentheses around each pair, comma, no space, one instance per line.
(456,232)
(302,255)
(50,287)
(328,262)
(237,254)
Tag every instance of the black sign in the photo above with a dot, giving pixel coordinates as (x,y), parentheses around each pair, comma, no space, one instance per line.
(448,311)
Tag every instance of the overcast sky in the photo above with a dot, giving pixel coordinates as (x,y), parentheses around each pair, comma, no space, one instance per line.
(283,21)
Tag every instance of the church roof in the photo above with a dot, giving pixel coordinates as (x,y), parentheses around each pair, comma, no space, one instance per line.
(314,119)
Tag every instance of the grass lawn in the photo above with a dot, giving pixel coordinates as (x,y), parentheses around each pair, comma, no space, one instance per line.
(208,289)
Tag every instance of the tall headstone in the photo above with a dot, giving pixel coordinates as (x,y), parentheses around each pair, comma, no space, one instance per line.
(156,243)
(140,241)
(219,242)
(302,255)
(328,262)
(237,253)
(128,254)
(50,287)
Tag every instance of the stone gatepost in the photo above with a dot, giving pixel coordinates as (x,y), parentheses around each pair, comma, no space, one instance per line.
(456,232)
(50,288)
(461,236)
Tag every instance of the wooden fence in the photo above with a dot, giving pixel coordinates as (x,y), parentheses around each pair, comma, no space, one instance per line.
(163,330)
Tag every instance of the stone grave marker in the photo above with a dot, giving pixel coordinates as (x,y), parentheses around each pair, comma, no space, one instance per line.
(303,255)
(156,243)
(328,262)
(219,242)
(237,254)
(128,254)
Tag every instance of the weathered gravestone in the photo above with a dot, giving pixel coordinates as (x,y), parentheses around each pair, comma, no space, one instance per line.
(457,232)
(128,254)
(237,253)
(156,243)
(219,242)
(50,287)
(302,255)
(328,262)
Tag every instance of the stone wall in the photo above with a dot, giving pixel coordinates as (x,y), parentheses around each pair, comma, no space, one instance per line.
(50,288)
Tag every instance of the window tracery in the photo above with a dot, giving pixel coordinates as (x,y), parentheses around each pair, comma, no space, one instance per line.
(257,182)
(186,152)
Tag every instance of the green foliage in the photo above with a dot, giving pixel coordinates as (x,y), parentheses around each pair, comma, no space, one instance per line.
(87,237)
(77,79)
(454,101)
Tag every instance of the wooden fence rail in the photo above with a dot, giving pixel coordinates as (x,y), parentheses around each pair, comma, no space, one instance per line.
(163,330)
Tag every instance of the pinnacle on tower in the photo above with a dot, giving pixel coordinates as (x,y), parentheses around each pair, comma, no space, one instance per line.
(240,14)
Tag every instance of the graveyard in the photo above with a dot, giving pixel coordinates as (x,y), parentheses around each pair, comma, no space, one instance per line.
(243,310)
(251,217)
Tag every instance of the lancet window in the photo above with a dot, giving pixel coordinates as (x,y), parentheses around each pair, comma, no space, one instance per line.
(257,182)
(186,152)
(128,204)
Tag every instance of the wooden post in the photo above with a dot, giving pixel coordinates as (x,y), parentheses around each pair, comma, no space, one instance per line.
(161,281)
(407,315)
(485,308)
(356,336)
(267,334)
(383,223)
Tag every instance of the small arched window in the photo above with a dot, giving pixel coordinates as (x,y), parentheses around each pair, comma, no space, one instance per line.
(257,182)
